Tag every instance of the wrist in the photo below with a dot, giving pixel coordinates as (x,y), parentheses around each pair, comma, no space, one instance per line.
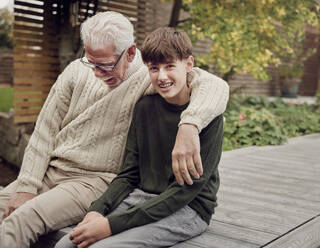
(190,125)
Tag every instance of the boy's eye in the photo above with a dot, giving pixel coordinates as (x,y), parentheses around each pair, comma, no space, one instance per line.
(170,65)
(153,68)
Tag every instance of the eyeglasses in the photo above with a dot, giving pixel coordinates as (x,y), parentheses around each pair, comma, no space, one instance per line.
(106,68)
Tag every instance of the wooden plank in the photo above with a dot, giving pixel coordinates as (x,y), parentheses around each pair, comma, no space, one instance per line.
(32,88)
(31,5)
(25,95)
(27,20)
(122,6)
(40,43)
(305,236)
(290,177)
(281,197)
(257,218)
(35,66)
(122,2)
(41,59)
(21,27)
(32,80)
(213,240)
(239,233)
(22,112)
(29,12)
(28,73)
(25,119)
(28,104)
(123,11)
(20,35)
(24,51)
(225,235)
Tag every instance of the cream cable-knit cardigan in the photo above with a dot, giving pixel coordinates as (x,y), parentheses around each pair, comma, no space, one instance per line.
(82,127)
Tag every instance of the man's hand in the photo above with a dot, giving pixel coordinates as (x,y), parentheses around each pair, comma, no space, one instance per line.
(16,201)
(88,233)
(186,155)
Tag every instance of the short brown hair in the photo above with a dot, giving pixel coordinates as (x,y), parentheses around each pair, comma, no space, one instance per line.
(166,44)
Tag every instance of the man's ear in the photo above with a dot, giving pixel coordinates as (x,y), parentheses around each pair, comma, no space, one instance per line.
(190,63)
(132,52)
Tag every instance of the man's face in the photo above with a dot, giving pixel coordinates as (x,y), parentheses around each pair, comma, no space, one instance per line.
(107,57)
(170,79)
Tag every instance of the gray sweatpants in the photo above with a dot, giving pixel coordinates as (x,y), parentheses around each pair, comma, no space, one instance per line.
(181,225)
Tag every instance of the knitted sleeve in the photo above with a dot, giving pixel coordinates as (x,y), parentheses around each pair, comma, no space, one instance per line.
(208,99)
(41,144)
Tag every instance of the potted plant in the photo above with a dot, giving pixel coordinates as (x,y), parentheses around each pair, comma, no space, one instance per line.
(290,78)
(291,68)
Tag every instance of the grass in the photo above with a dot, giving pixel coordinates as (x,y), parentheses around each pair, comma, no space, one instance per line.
(6,99)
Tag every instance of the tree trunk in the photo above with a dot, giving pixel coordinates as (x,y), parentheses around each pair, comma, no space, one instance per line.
(228,75)
(174,19)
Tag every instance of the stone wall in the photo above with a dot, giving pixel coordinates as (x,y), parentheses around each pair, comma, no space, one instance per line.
(13,139)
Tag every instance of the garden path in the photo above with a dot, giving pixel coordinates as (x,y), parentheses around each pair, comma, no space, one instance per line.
(269,197)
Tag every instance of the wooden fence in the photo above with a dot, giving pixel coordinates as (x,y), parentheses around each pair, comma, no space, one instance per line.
(36,62)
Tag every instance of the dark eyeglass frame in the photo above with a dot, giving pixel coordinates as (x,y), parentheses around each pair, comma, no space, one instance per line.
(106,68)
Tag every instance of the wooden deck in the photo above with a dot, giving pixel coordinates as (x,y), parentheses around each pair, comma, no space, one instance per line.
(269,197)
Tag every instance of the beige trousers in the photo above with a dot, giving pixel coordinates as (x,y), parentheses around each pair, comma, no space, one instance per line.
(63,201)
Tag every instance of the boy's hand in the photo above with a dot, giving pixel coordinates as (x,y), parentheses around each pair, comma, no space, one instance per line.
(89,217)
(90,232)
(186,154)
(17,200)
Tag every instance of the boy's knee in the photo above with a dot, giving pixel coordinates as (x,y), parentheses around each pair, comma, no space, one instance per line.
(65,242)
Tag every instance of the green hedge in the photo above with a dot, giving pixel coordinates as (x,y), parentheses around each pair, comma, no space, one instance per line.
(258,121)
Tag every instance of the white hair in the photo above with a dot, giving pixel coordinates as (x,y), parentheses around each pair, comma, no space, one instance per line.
(107,28)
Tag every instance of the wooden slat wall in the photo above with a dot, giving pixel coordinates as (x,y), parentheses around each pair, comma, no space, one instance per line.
(139,12)
(36,62)
(36,52)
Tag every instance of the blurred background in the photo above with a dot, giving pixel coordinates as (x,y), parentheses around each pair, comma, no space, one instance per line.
(267,51)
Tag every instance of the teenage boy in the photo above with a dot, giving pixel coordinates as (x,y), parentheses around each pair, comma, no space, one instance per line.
(145,206)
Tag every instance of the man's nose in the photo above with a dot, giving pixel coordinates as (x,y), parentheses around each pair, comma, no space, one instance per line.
(99,73)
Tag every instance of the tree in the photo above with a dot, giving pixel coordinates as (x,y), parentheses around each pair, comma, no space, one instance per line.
(248,35)
(6,20)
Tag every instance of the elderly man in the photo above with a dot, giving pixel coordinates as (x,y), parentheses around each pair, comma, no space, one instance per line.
(79,139)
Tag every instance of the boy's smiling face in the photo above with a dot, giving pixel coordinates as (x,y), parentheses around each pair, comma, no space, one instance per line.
(170,79)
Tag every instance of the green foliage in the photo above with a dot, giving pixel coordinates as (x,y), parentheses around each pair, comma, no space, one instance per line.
(6,33)
(6,99)
(318,99)
(257,121)
(248,35)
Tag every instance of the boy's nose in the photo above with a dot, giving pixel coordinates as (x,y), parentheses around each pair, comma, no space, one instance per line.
(162,74)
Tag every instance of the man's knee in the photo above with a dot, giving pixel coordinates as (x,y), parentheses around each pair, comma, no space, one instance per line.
(5,196)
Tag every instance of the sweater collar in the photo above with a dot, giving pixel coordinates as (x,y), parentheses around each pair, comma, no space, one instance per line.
(172,107)
(135,65)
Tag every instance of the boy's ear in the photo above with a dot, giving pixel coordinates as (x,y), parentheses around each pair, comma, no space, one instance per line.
(131,52)
(190,63)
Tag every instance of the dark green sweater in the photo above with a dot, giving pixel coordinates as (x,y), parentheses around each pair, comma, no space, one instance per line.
(147,166)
